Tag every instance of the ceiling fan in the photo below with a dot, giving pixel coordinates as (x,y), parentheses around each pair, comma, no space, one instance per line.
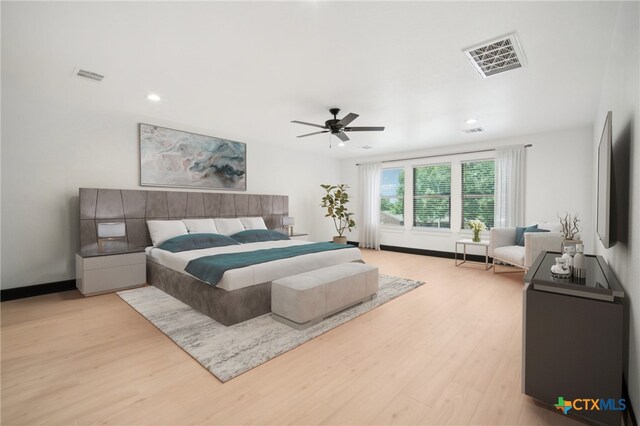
(337,126)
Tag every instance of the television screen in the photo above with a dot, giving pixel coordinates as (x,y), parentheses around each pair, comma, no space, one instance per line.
(603,225)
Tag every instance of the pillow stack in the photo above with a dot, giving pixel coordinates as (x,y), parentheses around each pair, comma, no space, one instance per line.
(163,230)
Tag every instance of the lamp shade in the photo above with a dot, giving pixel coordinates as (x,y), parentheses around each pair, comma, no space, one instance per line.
(111,230)
(288,221)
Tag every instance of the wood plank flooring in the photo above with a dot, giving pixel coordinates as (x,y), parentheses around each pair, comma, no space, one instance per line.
(446,353)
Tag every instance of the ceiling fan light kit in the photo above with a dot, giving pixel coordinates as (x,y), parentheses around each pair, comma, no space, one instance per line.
(338,127)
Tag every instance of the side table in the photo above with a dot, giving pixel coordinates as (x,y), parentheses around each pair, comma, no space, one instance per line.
(469,242)
(104,272)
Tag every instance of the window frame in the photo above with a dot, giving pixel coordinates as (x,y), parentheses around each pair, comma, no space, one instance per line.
(415,197)
(389,197)
(463,224)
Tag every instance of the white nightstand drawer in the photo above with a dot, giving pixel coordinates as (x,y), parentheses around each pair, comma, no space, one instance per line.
(110,272)
(105,280)
(101,262)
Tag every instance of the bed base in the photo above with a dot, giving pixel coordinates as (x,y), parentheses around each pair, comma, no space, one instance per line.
(226,307)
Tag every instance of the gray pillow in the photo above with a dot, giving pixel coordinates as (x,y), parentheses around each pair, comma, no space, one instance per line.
(519,232)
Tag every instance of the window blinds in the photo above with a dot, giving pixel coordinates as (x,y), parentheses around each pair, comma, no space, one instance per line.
(478,187)
(432,196)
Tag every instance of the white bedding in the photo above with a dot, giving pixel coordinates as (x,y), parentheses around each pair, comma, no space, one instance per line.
(235,279)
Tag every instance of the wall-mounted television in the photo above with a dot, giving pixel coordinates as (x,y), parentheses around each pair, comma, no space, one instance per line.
(603,224)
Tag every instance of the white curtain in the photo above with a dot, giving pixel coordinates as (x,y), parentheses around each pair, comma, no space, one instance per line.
(509,203)
(369,183)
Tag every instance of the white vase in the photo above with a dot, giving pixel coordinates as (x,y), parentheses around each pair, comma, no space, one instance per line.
(567,256)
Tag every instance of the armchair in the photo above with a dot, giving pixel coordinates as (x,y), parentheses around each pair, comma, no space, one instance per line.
(503,246)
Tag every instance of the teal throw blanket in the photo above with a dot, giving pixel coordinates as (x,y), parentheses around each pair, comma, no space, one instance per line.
(211,268)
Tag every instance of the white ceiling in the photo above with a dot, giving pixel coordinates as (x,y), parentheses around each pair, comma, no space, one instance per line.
(245,70)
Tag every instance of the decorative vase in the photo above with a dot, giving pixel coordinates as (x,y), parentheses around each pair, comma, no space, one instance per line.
(580,263)
(340,240)
(568,255)
(476,235)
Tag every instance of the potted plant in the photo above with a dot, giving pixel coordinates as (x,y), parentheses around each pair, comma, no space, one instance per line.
(335,201)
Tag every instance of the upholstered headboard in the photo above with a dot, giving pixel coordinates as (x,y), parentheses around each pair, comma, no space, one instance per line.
(134,207)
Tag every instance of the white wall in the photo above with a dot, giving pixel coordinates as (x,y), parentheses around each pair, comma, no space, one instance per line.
(558,178)
(49,150)
(621,95)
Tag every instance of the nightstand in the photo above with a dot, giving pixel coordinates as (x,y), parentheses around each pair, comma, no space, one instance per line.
(104,272)
(301,237)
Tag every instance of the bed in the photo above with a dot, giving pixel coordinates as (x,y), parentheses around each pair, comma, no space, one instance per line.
(242,293)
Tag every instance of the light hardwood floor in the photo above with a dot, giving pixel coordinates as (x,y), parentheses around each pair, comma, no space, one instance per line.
(446,353)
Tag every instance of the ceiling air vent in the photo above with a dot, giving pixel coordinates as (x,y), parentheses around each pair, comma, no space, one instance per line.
(88,74)
(367,147)
(473,130)
(496,56)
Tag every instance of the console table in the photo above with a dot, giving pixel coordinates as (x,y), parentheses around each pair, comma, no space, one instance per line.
(573,337)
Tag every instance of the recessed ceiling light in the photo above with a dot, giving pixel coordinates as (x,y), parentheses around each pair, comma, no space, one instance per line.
(341,144)
(471,121)
(153,97)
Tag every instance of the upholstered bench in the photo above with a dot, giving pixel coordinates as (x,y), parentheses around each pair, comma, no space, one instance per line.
(306,299)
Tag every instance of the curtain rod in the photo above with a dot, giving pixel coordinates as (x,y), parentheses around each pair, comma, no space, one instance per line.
(437,155)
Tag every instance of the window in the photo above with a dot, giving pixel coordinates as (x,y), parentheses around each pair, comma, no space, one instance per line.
(478,187)
(392,197)
(432,196)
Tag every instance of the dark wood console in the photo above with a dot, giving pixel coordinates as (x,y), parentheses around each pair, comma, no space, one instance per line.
(573,339)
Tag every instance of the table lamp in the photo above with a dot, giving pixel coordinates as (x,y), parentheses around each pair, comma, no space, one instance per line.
(288,222)
(109,231)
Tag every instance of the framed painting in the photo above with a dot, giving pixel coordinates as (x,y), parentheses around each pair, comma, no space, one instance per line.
(175,158)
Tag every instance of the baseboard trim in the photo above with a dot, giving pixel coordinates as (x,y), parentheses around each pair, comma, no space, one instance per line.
(432,253)
(36,290)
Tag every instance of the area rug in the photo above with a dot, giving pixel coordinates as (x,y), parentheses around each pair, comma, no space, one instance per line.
(230,351)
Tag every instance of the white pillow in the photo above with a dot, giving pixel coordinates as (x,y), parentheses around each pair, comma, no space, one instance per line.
(200,226)
(162,230)
(228,226)
(253,223)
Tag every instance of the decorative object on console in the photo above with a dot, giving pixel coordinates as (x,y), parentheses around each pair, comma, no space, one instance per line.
(579,266)
(111,232)
(288,222)
(476,226)
(561,269)
(335,201)
(568,253)
(171,157)
(569,225)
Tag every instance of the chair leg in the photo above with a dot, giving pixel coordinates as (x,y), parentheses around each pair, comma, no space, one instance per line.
(510,269)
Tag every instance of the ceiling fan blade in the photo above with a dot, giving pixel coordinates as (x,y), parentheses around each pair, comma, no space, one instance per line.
(309,124)
(348,119)
(363,129)
(342,136)
(314,133)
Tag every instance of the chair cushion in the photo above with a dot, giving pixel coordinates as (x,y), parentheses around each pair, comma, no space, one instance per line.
(511,254)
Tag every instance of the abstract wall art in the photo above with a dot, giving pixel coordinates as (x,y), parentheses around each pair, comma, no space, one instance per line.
(171,157)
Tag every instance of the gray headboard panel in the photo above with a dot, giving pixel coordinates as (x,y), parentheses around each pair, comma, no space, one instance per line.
(134,207)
